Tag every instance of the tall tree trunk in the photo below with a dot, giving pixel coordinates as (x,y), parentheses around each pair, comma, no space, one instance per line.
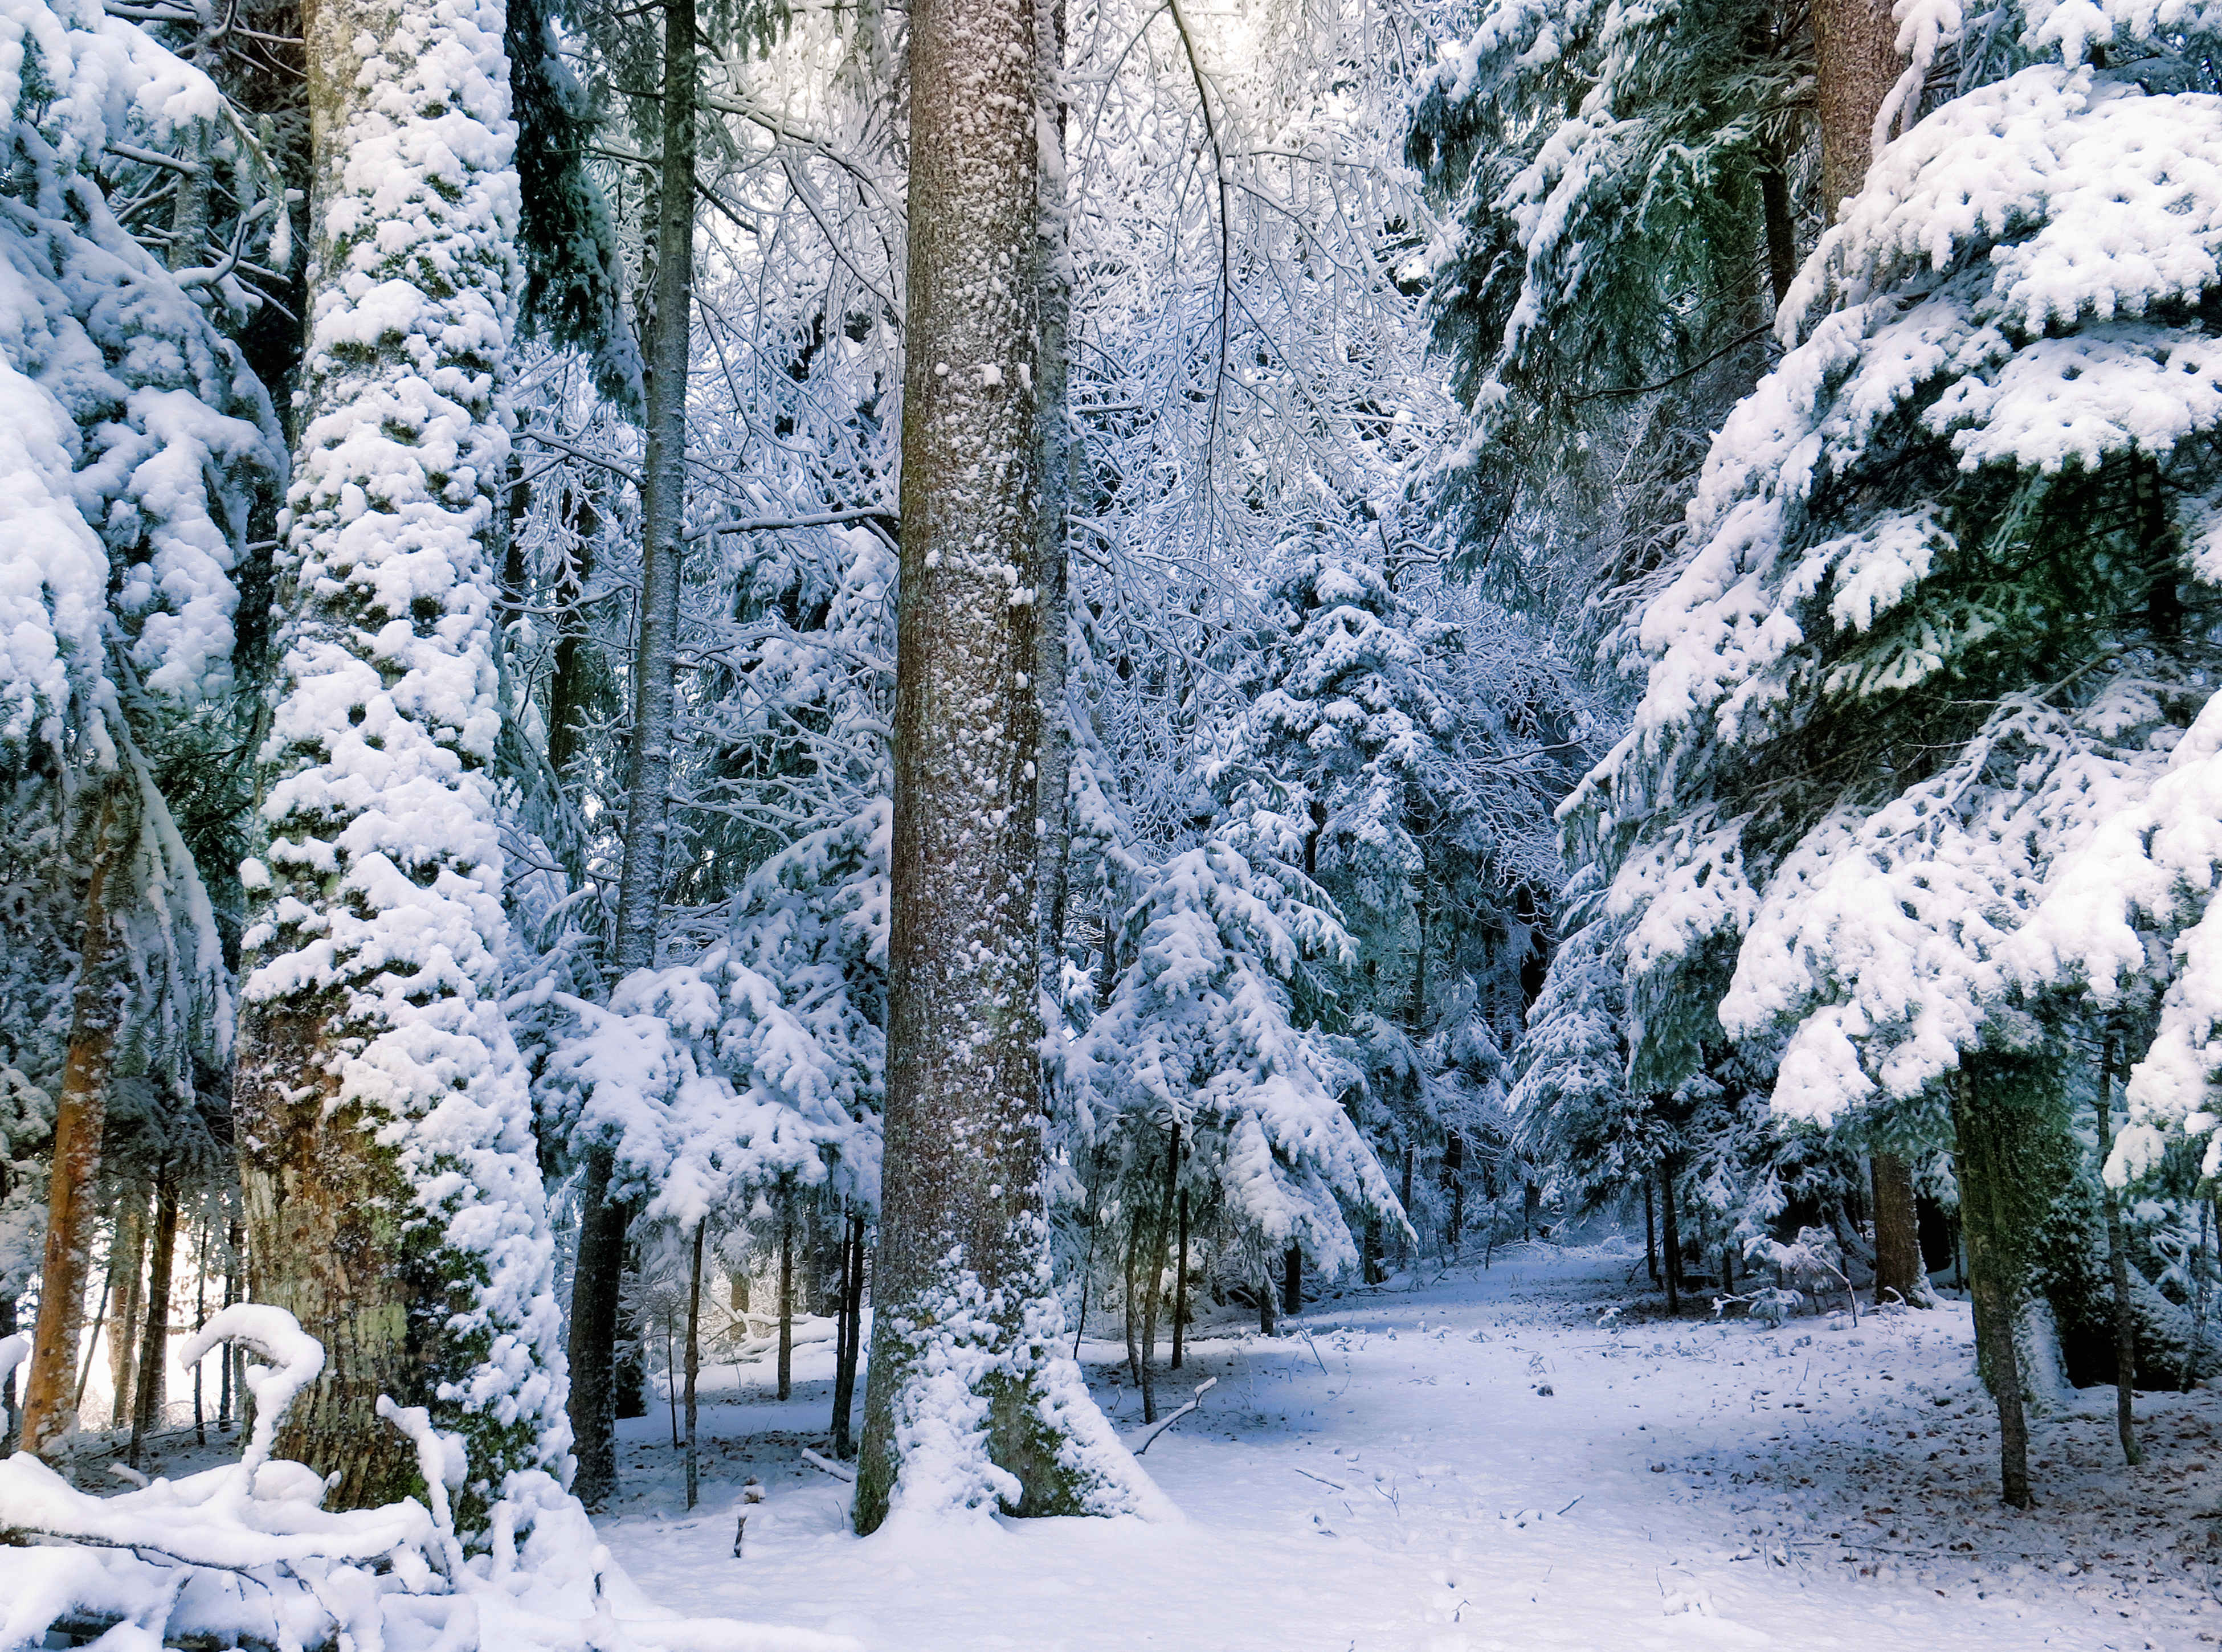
(11,1410)
(853,1334)
(124,1318)
(1670,1238)
(391,1185)
(643,867)
(1650,1234)
(1454,1184)
(1993,1267)
(787,1294)
(694,1368)
(1855,63)
(1180,1289)
(1292,1282)
(1060,457)
(235,1240)
(573,650)
(1407,1255)
(596,1277)
(963,1235)
(1153,1293)
(151,1394)
(1898,1234)
(1268,1293)
(80,1118)
(2118,1265)
(663,508)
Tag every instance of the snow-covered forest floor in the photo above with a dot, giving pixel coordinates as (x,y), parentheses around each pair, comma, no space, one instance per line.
(1392,1475)
(1474,1464)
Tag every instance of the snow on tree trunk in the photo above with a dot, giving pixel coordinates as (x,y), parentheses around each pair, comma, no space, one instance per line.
(80,1115)
(968,1405)
(393,1198)
(663,505)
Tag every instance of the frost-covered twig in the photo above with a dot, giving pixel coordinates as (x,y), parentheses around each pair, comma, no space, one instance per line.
(1138,1441)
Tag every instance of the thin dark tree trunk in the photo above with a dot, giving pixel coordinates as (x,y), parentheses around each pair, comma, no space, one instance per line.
(852,1335)
(1060,457)
(10,1409)
(1153,1291)
(1405,1256)
(1133,1296)
(200,1318)
(664,505)
(1670,1238)
(1650,1234)
(597,1279)
(50,1385)
(1292,1282)
(694,1368)
(1992,1266)
(2117,1265)
(1180,1289)
(566,677)
(1454,1183)
(1781,230)
(235,1242)
(1266,1293)
(1898,1232)
(787,1294)
(154,1339)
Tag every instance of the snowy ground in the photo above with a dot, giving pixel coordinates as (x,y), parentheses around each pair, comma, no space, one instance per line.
(1395,1476)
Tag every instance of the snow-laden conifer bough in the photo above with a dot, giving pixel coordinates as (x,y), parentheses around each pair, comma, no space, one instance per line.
(2015,306)
(247,1554)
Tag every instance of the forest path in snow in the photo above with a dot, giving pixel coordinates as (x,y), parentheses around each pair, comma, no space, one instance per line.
(1391,1475)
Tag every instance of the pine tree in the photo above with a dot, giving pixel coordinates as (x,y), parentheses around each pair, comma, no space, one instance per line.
(969,1404)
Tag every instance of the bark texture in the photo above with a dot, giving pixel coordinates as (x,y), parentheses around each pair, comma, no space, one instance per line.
(595,1279)
(390,1188)
(663,508)
(1898,1234)
(80,1118)
(963,1259)
(1994,1275)
(1855,64)
(2118,1268)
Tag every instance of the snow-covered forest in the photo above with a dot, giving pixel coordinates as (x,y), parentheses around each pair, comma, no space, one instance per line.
(765,761)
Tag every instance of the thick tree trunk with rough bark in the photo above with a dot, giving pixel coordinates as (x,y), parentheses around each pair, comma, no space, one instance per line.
(80,1118)
(1898,1235)
(963,1261)
(391,1187)
(596,1277)
(1855,64)
(1993,1287)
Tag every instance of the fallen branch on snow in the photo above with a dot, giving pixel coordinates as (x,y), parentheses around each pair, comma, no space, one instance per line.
(1138,1441)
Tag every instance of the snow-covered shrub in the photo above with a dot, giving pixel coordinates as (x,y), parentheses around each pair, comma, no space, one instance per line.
(245,1554)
